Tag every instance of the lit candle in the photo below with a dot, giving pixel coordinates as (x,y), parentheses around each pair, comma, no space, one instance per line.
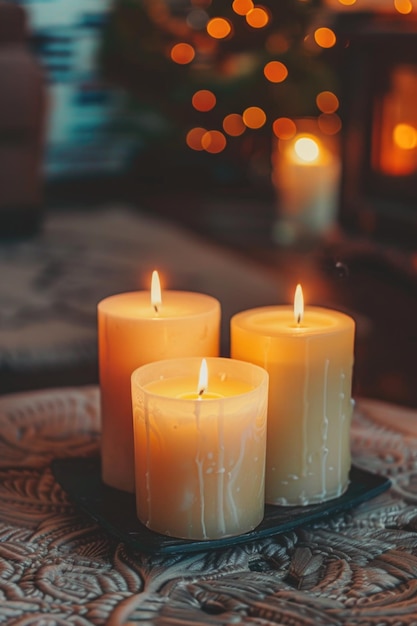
(200,448)
(309,357)
(306,173)
(133,329)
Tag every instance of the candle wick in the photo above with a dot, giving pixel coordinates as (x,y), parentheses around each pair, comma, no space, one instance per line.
(201,391)
(299,319)
(155,306)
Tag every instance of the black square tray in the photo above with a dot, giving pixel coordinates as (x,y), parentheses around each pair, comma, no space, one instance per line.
(115,510)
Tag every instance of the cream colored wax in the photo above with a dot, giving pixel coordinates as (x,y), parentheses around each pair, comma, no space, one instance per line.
(200,459)
(131,333)
(310,367)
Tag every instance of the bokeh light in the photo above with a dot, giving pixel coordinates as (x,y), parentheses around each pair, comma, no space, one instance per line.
(241,7)
(204,100)
(233,125)
(284,128)
(275,71)
(324,37)
(405,136)
(213,141)
(194,138)
(403,6)
(182,53)
(327,102)
(329,124)
(347,3)
(254,117)
(258,17)
(219,28)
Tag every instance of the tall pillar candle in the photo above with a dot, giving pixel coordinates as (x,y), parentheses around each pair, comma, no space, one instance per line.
(200,448)
(310,366)
(131,333)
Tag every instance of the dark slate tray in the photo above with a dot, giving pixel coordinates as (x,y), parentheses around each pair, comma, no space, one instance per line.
(115,510)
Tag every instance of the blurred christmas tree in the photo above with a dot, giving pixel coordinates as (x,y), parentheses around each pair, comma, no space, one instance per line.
(214,76)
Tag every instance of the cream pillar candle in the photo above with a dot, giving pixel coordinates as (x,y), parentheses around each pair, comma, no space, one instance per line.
(132,332)
(310,362)
(200,451)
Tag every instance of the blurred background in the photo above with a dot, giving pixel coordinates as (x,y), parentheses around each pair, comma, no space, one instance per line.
(282,135)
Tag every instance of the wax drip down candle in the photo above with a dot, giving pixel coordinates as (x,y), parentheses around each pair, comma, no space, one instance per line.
(200,446)
(133,329)
(309,357)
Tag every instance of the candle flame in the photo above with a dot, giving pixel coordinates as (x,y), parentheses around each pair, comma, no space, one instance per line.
(307,149)
(156,298)
(298,305)
(203,378)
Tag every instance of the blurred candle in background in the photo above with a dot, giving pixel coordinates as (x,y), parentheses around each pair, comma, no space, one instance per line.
(306,176)
(133,329)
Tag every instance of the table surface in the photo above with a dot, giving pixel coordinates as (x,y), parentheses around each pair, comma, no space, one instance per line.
(58,567)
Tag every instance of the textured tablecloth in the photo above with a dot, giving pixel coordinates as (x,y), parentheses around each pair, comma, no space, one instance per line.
(57,567)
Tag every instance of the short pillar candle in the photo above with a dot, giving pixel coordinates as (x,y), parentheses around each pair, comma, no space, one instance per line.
(131,333)
(310,363)
(200,455)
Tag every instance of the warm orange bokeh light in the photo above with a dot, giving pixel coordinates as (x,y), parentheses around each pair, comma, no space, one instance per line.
(194,138)
(324,37)
(254,117)
(403,6)
(257,18)
(275,71)
(182,53)
(204,100)
(213,141)
(327,102)
(219,28)
(329,124)
(241,7)
(284,128)
(233,125)
(347,3)
(405,136)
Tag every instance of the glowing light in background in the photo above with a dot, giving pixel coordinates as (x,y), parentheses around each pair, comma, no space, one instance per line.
(324,37)
(277,43)
(182,53)
(194,138)
(254,117)
(405,136)
(284,128)
(213,141)
(403,6)
(233,125)
(327,102)
(219,28)
(275,71)
(241,7)
(306,149)
(329,124)
(258,17)
(347,3)
(204,100)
